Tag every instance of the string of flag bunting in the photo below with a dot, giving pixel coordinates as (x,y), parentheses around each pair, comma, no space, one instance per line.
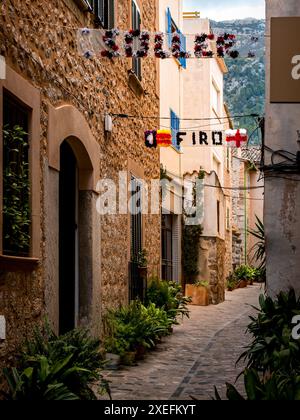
(164,138)
(140,44)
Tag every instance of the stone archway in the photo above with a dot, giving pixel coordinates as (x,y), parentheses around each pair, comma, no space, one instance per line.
(67,126)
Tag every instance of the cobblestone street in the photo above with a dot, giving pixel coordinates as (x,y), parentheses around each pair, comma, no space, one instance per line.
(201,353)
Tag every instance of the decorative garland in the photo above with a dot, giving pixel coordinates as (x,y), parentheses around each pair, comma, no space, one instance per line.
(110,41)
(144,40)
(238,136)
(159,51)
(160,138)
(177,48)
(150,139)
(111,49)
(224,45)
(201,45)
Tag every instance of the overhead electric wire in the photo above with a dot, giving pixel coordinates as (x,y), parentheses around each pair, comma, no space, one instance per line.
(146,117)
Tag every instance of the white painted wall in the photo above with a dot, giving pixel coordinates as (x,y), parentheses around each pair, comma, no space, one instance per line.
(171,97)
(282,197)
(199,81)
(171,94)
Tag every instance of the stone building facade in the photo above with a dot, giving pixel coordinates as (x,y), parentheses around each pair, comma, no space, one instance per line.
(207,78)
(247,204)
(282,192)
(66,97)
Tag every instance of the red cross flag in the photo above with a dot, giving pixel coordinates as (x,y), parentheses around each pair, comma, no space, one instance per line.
(238,136)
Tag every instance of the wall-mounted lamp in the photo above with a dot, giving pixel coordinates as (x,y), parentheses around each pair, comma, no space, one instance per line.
(108,123)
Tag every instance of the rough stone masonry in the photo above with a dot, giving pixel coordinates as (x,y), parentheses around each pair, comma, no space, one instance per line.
(38,41)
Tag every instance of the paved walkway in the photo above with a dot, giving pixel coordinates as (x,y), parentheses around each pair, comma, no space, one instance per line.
(200,354)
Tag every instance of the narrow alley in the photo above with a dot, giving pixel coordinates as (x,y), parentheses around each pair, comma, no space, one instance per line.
(201,353)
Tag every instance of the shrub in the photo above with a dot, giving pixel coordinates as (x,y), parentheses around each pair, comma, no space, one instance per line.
(276,387)
(244,272)
(191,246)
(260,246)
(273,347)
(232,283)
(168,296)
(52,367)
(136,325)
(273,362)
(259,275)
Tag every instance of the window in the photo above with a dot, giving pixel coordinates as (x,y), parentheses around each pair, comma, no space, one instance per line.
(172,28)
(228,218)
(136,217)
(216,98)
(16,238)
(136,25)
(175,128)
(104,11)
(167,247)
(137,284)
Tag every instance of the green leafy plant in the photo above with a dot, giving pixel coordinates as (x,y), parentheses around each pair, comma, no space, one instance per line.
(16,192)
(260,275)
(69,363)
(273,363)
(202,284)
(136,325)
(41,380)
(240,274)
(273,347)
(260,246)
(244,272)
(232,283)
(191,246)
(164,174)
(168,296)
(276,387)
(141,259)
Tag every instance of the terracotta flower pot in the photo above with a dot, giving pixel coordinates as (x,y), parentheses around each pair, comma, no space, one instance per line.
(243,284)
(113,361)
(128,359)
(199,294)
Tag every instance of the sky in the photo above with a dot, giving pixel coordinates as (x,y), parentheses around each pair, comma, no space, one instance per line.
(226,9)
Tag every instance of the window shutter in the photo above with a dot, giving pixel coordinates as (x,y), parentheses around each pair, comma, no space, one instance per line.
(98,7)
(182,61)
(136,24)
(175,128)
(169,27)
(90,4)
(111,14)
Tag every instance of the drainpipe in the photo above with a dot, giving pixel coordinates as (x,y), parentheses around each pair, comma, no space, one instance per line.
(246,215)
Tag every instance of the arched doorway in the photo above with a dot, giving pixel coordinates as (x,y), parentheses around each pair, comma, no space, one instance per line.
(68,240)
(72,229)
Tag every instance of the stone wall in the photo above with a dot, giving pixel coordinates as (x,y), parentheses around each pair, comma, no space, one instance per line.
(38,40)
(237,249)
(282,196)
(212,267)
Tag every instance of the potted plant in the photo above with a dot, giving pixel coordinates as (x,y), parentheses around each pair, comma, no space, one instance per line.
(199,293)
(232,283)
(128,358)
(115,349)
(142,263)
(245,275)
